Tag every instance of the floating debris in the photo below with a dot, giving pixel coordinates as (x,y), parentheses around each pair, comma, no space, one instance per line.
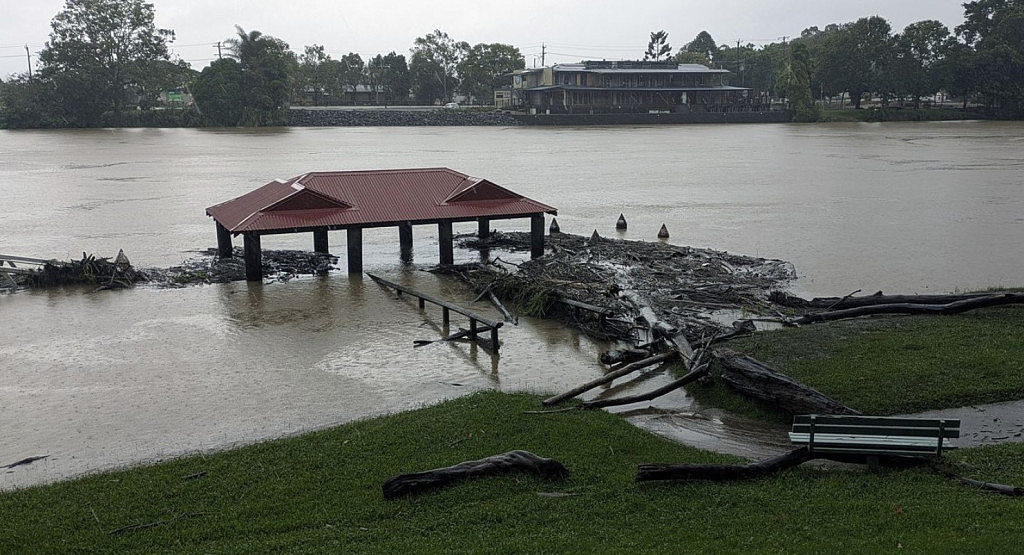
(663,232)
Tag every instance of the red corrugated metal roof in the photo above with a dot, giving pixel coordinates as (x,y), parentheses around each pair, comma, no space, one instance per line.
(370,198)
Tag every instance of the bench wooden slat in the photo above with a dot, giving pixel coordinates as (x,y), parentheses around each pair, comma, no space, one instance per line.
(875,421)
(822,441)
(949,431)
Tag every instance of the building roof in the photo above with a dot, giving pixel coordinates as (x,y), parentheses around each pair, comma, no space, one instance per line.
(622,67)
(698,88)
(375,198)
(616,67)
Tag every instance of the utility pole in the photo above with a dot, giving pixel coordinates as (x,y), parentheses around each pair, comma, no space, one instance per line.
(739,64)
(218,50)
(29,57)
(543,53)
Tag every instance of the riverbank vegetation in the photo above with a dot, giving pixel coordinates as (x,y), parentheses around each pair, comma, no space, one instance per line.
(83,81)
(322,492)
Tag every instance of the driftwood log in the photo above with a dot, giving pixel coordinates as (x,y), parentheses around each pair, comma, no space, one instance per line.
(955,307)
(722,472)
(524,461)
(693,376)
(837,303)
(611,376)
(726,472)
(755,379)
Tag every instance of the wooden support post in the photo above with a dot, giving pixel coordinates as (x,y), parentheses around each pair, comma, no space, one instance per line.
(536,235)
(320,241)
(446,317)
(494,339)
(483,228)
(445,240)
(405,241)
(472,329)
(253,256)
(423,303)
(224,249)
(355,250)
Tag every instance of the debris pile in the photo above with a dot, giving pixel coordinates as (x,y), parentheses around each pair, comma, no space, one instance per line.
(278,265)
(108,274)
(605,285)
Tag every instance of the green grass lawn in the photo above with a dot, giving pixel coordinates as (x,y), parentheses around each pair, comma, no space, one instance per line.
(902,364)
(320,492)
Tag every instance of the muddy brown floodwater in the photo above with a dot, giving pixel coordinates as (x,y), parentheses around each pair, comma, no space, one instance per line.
(97,380)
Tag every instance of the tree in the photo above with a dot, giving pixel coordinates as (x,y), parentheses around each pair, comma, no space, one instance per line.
(703,44)
(434,66)
(219,93)
(685,57)
(486,67)
(958,71)
(995,28)
(856,58)
(658,46)
(919,49)
(101,58)
(266,64)
(27,103)
(394,78)
(799,87)
(311,76)
(352,67)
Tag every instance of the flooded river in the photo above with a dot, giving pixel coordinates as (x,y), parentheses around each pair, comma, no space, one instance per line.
(100,379)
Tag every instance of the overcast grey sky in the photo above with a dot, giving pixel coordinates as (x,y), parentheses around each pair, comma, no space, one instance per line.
(572,30)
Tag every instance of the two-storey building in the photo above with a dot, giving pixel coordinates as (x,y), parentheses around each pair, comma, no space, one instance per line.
(600,87)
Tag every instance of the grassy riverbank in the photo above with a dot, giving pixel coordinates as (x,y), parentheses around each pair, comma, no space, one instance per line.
(321,492)
(901,364)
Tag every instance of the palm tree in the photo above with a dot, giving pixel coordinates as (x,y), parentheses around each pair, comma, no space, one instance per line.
(248,48)
(264,63)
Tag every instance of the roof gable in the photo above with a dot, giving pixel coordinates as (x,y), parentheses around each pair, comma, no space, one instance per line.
(474,190)
(304,199)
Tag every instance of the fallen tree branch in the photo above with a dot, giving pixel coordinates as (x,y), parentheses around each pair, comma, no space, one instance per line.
(525,461)
(722,472)
(26,460)
(849,301)
(509,317)
(694,375)
(955,307)
(1002,489)
(611,376)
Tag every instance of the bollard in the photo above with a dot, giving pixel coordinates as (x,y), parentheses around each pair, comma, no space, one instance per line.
(621,224)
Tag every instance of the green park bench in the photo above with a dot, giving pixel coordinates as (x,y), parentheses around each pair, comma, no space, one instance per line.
(873,436)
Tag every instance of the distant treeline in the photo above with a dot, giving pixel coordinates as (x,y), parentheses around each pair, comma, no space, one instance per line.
(106,64)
